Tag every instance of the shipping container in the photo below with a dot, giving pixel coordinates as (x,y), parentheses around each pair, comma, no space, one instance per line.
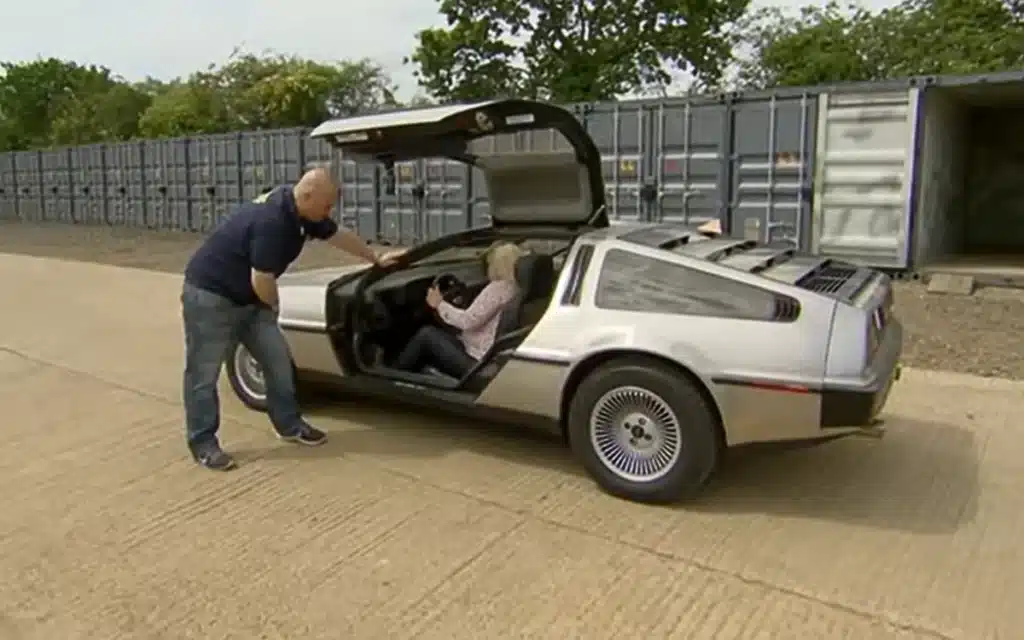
(28,175)
(622,133)
(215,178)
(690,180)
(125,185)
(771,160)
(88,184)
(57,195)
(165,171)
(922,174)
(269,159)
(8,188)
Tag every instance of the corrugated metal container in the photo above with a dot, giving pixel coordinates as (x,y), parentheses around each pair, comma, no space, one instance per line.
(622,133)
(864,176)
(690,170)
(125,185)
(166,181)
(270,158)
(215,178)
(401,206)
(88,177)
(445,204)
(771,167)
(359,207)
(8,188)
(57,204)
(29,177)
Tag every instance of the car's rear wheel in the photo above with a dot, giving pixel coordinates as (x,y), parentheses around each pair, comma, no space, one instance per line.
(643,431)
(246,378)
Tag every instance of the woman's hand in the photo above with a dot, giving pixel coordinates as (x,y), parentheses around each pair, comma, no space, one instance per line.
(434,297)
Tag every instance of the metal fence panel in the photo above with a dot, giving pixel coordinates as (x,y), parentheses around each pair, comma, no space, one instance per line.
(215,178)
(771,168)
(88,184)
(622,135)
(28,173)
(689,154)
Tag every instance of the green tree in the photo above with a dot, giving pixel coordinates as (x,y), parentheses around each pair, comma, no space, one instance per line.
(572,50)
(51,101)
(267,91)
(833,43)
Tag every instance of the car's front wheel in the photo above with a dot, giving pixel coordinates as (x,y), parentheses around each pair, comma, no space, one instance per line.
(643,431)
(246,378)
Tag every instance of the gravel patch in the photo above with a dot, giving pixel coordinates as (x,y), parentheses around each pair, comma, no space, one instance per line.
(981,334)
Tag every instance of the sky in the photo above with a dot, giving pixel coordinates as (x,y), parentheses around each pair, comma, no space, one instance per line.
(166,40)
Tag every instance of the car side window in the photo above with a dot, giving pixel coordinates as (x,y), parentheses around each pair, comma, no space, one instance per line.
(633,282)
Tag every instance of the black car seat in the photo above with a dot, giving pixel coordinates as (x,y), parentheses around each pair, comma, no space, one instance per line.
(535,277)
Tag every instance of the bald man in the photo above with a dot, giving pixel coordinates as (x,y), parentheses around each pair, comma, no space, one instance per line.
(230,293)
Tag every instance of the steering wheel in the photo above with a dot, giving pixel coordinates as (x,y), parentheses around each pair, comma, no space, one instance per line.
(454,291)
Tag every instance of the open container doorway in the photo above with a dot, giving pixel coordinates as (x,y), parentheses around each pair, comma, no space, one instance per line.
(968,215)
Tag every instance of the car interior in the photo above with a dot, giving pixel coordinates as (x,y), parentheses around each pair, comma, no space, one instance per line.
(394,308)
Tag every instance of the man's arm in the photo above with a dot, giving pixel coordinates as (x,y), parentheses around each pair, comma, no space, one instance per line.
(263,259)
(350,242)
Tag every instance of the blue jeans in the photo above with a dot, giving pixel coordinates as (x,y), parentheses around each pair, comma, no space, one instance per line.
(213,324)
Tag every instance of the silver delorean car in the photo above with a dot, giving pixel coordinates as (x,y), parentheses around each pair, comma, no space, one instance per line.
(652,347)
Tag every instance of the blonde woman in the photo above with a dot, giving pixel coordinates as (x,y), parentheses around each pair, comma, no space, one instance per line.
(455,355)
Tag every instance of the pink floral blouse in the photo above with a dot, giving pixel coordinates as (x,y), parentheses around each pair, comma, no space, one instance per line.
(479,322)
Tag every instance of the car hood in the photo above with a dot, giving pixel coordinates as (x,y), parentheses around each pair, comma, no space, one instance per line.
(318,277)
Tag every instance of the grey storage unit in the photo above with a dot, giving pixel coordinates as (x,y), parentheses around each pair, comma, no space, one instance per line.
(125,185)
(358,204)
(689,177)
(401,204)
(270,158)
(864,174)
(165,170)
(8,188)
(445,197)
(88,184)
(57,195)
(771,166)
(28,175)
(215,178)
(622,133)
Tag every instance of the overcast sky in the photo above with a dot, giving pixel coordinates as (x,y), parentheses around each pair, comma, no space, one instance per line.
(137,38)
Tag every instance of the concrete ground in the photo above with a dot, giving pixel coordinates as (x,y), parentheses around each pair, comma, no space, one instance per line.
(407,525)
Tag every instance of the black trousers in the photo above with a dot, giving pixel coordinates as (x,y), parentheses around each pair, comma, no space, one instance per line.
(437,348)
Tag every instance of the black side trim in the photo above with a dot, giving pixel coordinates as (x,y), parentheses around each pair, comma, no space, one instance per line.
(846,408)
(839,407)
(555,362)
(302,328)
(580,264)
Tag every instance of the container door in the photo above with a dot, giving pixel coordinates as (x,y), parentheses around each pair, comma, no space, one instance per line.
(864,176)
(622,135)
(445,198)
(771,169)
(401,203)
(690,166)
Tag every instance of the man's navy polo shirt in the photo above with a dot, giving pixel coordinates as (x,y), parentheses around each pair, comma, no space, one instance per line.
(266,234)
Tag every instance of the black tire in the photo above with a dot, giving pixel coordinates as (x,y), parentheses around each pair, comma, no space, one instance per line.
(239,381)
(697,430)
